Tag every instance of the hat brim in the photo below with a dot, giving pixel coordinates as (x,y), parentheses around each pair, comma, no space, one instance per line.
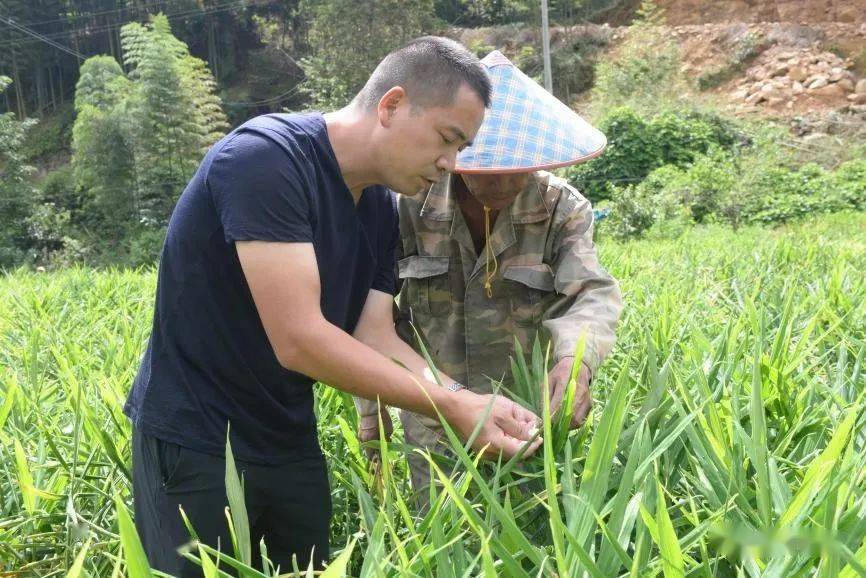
(526,128)
(532,169)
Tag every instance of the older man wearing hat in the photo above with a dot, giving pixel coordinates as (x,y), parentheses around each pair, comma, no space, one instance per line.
(503,249)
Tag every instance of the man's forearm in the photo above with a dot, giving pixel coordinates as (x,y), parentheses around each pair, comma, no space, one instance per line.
(389,344)
(328,354)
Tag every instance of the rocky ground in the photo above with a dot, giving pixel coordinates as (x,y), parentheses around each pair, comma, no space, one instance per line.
(790,71)
(782,77)
(781,69)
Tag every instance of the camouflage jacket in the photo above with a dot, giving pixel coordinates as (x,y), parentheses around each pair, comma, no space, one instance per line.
(548,279)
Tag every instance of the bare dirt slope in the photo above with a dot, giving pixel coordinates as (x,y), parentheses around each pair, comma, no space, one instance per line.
(778,68)
(778,58)
(680,12)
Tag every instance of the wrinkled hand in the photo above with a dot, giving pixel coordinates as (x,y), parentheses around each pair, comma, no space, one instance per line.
(368,430)
(508,427)
(558,380)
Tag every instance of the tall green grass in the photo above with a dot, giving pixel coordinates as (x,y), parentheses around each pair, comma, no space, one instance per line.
(727,436)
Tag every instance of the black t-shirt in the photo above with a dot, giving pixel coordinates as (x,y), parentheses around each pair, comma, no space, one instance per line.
(209,361)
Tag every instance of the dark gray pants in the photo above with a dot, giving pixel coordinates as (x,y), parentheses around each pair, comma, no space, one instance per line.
(289,505)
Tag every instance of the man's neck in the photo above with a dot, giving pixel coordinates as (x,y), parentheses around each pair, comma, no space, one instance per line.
(349,132)
(472,210)
(471,207)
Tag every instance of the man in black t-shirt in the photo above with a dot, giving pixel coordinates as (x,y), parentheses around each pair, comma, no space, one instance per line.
(277,272)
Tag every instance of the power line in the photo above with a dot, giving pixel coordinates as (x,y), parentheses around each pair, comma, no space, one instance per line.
(185,182)
(99,13)
(41,38)
(271,100)
(88,31)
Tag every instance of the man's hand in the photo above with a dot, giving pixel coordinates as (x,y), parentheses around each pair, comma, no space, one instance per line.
(558,380)
(508,427)
(368,430)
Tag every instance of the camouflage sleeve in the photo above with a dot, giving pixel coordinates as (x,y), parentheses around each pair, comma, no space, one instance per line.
(402,312)
(365,407)
(588,298)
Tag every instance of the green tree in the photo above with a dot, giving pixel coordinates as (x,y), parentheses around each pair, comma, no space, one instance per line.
(166,139)
(139,137)
(348,38)
(174,115)
(17,195)
(101,156)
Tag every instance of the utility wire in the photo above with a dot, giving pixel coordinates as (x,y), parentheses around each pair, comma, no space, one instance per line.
(41,38)
(81,16)
(88,31)
(272,100)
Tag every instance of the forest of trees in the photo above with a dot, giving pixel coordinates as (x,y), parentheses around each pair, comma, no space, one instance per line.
(44,43)
(106,106)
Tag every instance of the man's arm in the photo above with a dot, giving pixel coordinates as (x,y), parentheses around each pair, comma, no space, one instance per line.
(376,329)
(589,298)
(284,281)
(589,305)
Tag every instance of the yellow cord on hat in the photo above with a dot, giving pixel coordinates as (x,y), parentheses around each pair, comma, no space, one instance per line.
(488,287)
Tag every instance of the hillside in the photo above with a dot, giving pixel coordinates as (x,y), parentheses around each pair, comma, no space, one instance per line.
(779,59)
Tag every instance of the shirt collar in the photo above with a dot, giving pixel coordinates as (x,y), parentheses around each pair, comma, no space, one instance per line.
(529,206)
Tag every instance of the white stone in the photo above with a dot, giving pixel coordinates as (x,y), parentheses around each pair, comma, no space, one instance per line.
(797,73)
(755,98)
(828,90)
(779,71)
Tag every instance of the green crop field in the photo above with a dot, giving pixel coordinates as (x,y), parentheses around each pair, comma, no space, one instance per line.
(728,436)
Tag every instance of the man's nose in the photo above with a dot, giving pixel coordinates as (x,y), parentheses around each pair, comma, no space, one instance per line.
(447,162)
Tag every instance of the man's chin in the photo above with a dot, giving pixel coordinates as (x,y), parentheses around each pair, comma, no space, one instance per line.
(413,191)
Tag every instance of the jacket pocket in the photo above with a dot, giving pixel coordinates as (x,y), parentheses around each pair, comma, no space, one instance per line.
(426,283)
(529,286)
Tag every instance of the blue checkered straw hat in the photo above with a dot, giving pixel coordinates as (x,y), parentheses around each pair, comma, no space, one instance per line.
(526,128)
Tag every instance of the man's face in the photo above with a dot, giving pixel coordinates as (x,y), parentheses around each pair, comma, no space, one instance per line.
(496,191)
(422,143)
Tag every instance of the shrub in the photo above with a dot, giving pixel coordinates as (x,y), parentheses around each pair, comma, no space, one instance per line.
(145,246)
(645,72)
(847,185)
(650,208)
(735,190)
(779,194)
(637,146)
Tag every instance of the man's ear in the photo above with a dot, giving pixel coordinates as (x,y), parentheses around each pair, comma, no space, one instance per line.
(389,103)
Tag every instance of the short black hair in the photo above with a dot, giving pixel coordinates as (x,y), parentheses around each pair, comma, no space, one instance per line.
(430,69)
